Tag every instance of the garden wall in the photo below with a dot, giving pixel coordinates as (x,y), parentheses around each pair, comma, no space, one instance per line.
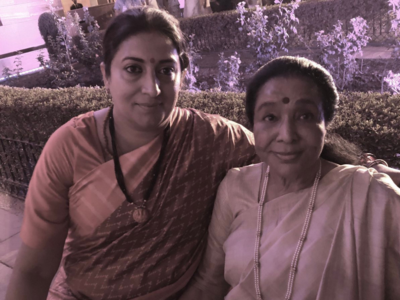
(29,117)
(218,32)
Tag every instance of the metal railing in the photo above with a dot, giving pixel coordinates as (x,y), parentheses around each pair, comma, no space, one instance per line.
(17,162)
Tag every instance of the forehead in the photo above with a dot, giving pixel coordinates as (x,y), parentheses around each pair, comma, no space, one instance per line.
(292,88)
(147,45)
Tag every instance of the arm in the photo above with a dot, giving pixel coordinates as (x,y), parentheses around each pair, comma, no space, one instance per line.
(208,283)
(46,222)
(393,173)
(34,270)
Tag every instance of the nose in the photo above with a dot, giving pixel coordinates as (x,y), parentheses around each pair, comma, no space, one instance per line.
(151,85)
(287,131)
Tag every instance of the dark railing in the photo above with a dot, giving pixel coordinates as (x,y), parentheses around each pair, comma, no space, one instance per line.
(14,53)
(17,161)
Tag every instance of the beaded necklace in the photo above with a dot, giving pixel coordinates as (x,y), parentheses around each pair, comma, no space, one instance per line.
(303,235)
(140,214)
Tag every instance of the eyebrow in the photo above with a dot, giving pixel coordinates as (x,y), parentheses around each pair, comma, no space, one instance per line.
(267,104)
(163,61)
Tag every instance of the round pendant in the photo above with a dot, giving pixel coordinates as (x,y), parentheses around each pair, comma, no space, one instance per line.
(141,215)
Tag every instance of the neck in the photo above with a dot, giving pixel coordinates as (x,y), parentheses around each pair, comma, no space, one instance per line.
(129,138)
(280,185)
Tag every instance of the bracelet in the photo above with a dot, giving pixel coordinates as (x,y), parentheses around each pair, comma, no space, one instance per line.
(376,162)
(366,158)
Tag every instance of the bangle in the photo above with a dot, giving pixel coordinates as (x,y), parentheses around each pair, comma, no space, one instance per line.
(376,162)
(366,158)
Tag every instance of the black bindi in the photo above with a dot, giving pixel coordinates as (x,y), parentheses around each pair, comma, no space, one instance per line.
(286,100)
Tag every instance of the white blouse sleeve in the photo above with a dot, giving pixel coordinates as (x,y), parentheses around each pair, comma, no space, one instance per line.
(208,282)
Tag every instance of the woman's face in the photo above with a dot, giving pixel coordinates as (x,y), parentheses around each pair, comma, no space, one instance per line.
(289,126)
(144,81)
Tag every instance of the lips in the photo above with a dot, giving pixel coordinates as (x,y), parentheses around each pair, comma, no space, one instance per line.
(287,156)
(148,104)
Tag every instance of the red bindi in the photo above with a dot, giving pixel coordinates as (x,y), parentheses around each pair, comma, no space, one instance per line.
(152,60)
(286,100)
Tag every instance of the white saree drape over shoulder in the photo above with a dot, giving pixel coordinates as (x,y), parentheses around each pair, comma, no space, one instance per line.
(352,250)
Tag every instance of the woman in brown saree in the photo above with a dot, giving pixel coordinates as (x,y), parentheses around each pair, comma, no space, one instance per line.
(123,196)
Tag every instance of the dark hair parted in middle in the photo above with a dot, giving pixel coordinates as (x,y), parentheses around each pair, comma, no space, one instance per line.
(138,20)
(286,66)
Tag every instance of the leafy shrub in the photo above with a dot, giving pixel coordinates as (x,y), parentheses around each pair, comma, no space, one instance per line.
(87,49)
(193,68)
(391,79)
(48,27)
(6,73)
(337,50)
(370,120)
(228,72)
(268,40)
(72,52)
(219,32)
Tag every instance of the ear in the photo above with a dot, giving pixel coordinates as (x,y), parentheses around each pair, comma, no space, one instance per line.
(103,73)
(183,76)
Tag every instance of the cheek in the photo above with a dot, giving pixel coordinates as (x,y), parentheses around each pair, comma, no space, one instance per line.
(314,136)
(262,137)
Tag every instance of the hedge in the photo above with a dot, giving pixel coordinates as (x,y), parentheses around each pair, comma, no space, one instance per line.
(370,120)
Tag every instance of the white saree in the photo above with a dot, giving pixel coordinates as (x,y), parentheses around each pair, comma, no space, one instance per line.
(352,250)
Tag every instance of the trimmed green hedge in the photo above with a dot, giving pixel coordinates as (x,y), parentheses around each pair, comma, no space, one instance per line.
(370,120)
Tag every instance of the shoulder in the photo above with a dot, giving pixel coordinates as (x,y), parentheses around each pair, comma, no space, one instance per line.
(244,175)
(76,132)
(239,188)
(369,186)
(77,126)
(380,182)
(215,123)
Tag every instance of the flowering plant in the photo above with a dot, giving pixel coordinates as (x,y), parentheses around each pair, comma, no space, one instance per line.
(86,48)
(395,14)
(193,68)
(393,81)
(229,74)
(268,42)
(337,49)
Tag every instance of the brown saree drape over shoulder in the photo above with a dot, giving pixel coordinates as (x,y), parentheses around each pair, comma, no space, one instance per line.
(107,255)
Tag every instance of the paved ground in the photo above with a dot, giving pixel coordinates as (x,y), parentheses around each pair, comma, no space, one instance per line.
(11,213)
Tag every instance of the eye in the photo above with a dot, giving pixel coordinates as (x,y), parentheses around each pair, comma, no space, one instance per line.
(134,69)
(269,118)
(168,71)
(307,116)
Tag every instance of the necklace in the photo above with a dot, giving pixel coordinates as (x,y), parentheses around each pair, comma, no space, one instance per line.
(140,213)
(105,134)
(303,235)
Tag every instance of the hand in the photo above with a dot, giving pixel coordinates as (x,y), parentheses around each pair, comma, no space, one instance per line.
(393,173)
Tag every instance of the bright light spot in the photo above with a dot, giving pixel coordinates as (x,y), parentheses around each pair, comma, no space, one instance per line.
(23,73)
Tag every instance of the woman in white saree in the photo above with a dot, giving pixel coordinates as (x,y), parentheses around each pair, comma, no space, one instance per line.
(296,225)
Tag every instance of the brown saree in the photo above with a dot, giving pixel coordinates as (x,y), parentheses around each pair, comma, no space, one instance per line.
(107,255)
